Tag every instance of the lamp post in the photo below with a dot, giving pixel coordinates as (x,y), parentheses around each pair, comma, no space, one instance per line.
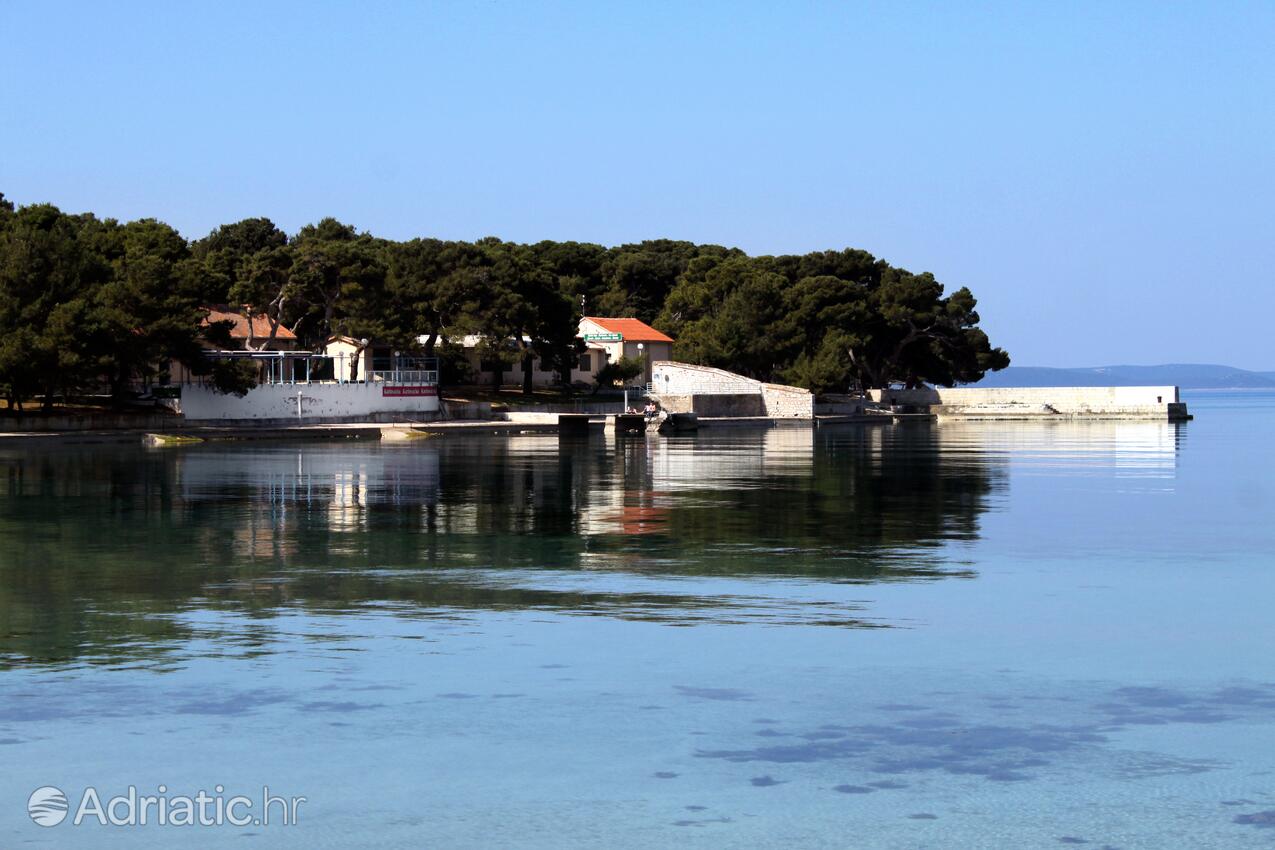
(640,347)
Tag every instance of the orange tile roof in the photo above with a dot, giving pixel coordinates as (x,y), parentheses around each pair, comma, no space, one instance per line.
(631,330)
(239,330)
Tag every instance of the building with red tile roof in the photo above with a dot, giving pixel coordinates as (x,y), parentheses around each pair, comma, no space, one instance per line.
(630,330)
(608,339)
(244,328)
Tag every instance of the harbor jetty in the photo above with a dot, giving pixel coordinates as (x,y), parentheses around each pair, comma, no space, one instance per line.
(1161,403)
(716,393)
(398,406)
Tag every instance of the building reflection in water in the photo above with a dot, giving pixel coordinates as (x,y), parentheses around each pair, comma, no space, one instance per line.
(1131,448)
(104,545)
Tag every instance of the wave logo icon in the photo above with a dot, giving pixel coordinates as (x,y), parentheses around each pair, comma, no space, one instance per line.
(47,806)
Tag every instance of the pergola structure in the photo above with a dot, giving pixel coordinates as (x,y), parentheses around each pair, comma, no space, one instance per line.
(284,367)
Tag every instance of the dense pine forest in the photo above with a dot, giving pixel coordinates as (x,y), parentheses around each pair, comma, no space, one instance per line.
(92,304)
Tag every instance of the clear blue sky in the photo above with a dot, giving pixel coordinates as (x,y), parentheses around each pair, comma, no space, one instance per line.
(1102,175)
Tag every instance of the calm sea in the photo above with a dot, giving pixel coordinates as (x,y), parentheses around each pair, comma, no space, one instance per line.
(964,635)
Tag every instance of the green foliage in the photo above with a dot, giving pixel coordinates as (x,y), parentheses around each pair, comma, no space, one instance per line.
(143,316)
(453,365)
(332,265)
(223,255)
(233,376)
(89,304)
(828,321)
(321,282)
(46,282)
(618,372)
(739,306)
(413,303)
(638,278)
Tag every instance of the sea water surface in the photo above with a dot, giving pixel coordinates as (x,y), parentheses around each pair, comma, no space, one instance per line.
(957,635)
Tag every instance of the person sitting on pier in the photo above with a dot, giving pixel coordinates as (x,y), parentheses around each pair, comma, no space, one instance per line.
(651,410)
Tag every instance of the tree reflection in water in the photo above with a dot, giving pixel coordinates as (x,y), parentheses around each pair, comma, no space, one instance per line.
(105,549)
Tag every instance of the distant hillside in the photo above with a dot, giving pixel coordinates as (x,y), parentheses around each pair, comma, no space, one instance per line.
(1186,375)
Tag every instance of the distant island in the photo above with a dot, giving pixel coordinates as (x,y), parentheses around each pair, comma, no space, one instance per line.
(1196,376)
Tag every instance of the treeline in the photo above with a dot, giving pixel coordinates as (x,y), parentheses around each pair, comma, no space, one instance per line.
(89,304)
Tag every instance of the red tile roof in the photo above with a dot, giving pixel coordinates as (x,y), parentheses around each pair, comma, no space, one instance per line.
(239,330)
(632,330)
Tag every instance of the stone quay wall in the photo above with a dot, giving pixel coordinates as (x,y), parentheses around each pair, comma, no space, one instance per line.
(326,402)
(686,388)
(1011,402)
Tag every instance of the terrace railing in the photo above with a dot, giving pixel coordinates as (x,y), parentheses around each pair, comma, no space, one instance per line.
(405,376)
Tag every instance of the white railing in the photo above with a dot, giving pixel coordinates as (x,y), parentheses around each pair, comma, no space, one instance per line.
(405,376)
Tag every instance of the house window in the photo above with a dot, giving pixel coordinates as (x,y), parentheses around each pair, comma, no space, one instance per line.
(586,363)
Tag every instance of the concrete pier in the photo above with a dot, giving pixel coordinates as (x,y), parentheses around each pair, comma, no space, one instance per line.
(1037,402)
(627,423)
(573,423)
(676,422)
(880,407)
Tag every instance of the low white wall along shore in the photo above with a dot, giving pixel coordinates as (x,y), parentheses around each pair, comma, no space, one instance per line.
(1036,402)
(311,402)
(686,388)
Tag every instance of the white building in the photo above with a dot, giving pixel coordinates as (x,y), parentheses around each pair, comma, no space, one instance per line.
(344,384)
(610,339)
(606,340)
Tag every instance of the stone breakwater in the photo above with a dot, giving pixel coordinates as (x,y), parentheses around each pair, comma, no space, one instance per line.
(684,387)
(1160,403)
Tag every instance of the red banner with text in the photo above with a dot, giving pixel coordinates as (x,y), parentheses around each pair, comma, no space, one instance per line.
(409,390)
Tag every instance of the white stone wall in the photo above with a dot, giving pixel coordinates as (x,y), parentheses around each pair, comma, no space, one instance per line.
(1067,396)
(685,379)
(714,404)
(348,402)
(1070,396)
(1066,400)
(674,378)
(784,402)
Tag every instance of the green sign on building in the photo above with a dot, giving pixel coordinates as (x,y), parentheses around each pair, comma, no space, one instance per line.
(603,337)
